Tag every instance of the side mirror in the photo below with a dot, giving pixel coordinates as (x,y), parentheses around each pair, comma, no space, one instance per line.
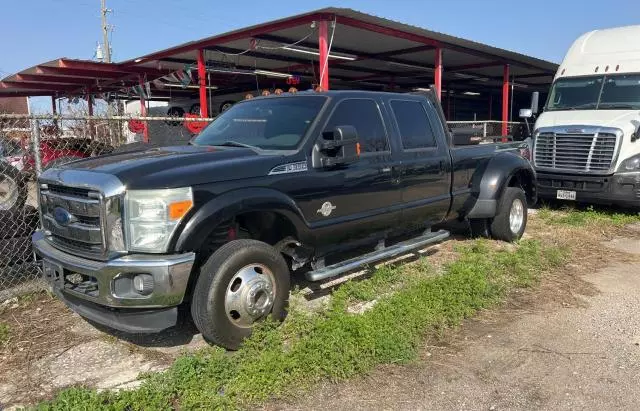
(526,113)
(535,96)
(339,147)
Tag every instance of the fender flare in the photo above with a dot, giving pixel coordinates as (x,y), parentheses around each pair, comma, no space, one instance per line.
(224,207)
(495,178)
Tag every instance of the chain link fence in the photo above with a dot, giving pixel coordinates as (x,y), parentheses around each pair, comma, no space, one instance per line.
(32,144)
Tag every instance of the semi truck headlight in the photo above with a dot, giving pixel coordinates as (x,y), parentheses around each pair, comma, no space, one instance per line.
(153,215)
(630,165)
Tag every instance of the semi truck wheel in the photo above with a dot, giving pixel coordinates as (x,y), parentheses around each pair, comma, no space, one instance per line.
(510,222)
(243,282)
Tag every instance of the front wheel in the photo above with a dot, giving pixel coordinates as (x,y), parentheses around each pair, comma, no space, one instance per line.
(510,222)
(242,283)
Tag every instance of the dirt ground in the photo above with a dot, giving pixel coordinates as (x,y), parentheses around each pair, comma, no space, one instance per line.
(573,342)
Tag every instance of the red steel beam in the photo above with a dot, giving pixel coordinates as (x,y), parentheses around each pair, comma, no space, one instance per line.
(505,101)
(202,83)
(109,68)
(36,78)
(143,111)
(244,34)
(34,86)
(438,72)
(59,71)
(324,54)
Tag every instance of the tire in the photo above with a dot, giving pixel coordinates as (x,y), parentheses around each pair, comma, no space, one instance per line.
(60,161)
(13,191)
(176,112)
(18,223)
(512,208)
(220,304)
(226,106)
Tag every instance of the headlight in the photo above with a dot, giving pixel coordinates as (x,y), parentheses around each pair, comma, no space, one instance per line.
(153,215)
(631,164)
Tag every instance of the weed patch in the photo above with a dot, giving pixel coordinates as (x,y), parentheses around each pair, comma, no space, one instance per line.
(587,217)
(4,334)
(333,345)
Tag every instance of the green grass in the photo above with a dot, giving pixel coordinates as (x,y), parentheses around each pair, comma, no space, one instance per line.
(5,333)
(333,345)
(586,217)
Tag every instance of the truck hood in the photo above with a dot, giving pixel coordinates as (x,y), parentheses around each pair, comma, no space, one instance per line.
(180,166)
(626,120)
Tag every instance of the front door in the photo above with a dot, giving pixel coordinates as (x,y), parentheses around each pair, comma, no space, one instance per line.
(354,201)
(425,176)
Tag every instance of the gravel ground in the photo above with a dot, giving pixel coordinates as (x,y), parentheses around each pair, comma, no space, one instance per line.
(575,346)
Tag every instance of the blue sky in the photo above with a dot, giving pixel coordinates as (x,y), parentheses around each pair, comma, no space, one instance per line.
(47,29)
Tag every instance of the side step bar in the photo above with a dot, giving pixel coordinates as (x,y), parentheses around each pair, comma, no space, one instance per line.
(388,252)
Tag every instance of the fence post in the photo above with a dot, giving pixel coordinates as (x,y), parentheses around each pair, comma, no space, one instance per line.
(35,138)
(484,130)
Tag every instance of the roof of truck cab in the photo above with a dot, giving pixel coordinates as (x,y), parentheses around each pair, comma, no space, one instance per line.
(608,51)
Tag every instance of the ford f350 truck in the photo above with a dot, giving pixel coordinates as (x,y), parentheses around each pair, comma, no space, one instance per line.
(273,187)
(587,140)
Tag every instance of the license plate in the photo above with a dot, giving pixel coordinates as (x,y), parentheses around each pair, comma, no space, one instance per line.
(566,195)
(52,272)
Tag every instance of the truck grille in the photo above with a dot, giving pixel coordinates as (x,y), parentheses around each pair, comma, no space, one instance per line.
(73,217)
(575,152)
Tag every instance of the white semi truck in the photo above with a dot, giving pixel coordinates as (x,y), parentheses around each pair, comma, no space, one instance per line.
(587,139)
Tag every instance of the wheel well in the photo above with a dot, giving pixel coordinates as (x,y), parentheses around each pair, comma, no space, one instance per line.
(524,180)
(266,226)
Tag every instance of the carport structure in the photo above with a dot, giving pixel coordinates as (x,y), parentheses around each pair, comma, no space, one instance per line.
(329,48)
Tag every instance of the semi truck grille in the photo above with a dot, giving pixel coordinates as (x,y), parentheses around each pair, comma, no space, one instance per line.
(575,152)
(73,217)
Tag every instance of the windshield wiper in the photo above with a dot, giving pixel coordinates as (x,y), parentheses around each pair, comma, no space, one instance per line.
(232,143)
(580,106)
(617,105)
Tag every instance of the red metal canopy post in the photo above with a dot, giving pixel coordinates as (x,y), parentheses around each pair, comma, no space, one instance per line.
(202,83)
(438,72)
(143,111)
(323,51)
(505,101)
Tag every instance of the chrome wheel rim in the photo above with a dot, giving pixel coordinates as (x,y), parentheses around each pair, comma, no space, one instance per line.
(8,192)
(516,216)
(250,295)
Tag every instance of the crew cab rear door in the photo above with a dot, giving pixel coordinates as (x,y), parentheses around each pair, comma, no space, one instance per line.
(425,163)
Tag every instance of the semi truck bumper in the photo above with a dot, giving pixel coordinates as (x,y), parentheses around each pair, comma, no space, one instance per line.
(107,292)
(618,189)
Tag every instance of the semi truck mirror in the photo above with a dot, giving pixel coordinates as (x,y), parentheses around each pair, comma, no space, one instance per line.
(535,96)
(526,113)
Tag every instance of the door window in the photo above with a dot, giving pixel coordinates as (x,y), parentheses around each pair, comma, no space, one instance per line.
(364,115)
(413,124)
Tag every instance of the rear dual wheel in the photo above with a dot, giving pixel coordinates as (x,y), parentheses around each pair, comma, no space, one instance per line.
(510,220)
(240,284)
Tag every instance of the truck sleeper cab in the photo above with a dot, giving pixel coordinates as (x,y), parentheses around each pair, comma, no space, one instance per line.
(273,186)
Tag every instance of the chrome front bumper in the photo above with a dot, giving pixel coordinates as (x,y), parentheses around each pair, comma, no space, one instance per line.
(110,282)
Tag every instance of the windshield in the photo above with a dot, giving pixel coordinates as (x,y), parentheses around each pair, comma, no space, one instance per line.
(275,123)
(606,92)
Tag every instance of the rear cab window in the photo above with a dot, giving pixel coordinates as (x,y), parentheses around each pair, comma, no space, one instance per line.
(414,126)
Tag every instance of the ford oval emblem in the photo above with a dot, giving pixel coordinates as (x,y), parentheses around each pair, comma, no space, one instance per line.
(62,216)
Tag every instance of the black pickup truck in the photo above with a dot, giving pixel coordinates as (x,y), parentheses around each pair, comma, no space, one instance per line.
(274,186)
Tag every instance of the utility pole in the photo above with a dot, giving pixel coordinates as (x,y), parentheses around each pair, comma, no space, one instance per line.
(105,31)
